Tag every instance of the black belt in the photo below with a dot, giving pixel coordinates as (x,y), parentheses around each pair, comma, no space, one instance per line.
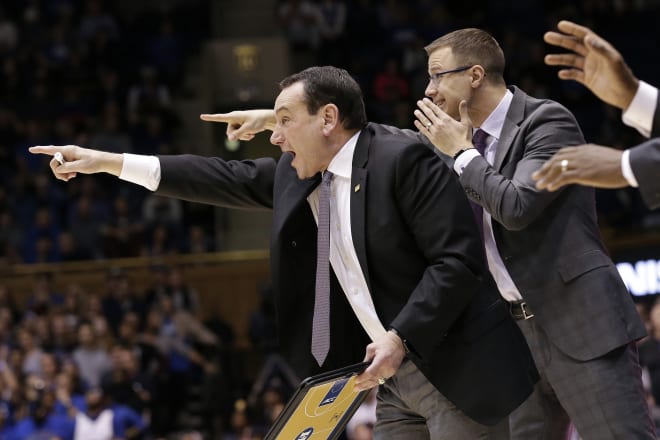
(520,310)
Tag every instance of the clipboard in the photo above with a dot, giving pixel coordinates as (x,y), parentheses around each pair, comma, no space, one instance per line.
(321,406)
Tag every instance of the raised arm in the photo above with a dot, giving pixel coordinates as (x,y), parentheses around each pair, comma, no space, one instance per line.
(593,62)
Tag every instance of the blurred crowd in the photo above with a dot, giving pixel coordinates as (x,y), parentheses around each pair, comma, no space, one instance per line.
(87,72)
(97,73)
(68,357)
(104,74)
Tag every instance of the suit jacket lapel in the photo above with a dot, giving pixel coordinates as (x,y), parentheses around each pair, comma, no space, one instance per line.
(359,200)
(511,126)
(295,193)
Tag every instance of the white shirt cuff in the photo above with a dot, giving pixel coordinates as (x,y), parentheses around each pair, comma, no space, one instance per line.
(626,169)
(464,159)
(141,170)
(639,113)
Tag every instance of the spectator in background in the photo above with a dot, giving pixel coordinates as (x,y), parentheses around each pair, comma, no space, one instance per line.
(95,20)
(146,97)
(158,286)
(92,360)
(8,34)
(183,295)
(68,248)
(70,397)
(391,91)
(101,421)
(111,133)
(120,299)
(123,232)
(31,352)
(649,351)
(125,383)
(42,238)
(298,19)
(165,52)
(198,241)
(331,22)
(41,422)
(87,226)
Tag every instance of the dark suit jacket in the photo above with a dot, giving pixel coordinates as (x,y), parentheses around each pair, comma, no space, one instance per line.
(417,244)
(645,161)
(550,241)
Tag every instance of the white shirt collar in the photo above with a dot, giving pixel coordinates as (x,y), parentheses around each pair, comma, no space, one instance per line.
(342,163)
(495,121)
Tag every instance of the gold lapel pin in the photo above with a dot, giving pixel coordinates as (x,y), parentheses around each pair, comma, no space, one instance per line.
(357,187)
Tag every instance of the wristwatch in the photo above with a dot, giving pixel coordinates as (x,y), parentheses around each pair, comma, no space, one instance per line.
(461,151)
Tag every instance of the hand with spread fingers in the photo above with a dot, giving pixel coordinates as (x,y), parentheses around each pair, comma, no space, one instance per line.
(245,124)
(386,354)
(445,133)
(592,165)
(594,62)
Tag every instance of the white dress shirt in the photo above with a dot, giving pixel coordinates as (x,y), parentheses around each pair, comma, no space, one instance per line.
(493,126)
(639,115)
(343,257)
(145,171)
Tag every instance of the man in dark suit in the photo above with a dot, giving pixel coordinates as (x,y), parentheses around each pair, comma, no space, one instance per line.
(601,68)
(409,279)
(543,249)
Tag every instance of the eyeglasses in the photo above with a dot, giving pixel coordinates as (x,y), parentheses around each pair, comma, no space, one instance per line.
(436,77)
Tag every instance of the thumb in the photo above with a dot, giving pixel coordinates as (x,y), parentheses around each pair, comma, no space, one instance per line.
(370,353)
(241,133)
(463,112)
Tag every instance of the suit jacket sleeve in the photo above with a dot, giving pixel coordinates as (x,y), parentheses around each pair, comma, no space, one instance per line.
(211,180)
(443,229)
(645,164)
(509,194)
(655,130)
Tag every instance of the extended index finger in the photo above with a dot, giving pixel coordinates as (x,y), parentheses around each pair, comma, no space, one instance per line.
(50,150)
(220,117)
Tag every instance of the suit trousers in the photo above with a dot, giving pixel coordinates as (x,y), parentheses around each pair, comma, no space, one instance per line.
(603,397)
(410,407)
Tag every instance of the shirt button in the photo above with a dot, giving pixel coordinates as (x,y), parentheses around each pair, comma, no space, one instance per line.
(294,244)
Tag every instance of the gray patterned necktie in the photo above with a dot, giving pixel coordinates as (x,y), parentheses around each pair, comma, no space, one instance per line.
(321,321)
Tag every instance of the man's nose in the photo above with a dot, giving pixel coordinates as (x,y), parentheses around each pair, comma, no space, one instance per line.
(276,138)
(430,89)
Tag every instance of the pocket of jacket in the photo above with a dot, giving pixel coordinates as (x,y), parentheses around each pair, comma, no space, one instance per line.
(578,265)
(481,324)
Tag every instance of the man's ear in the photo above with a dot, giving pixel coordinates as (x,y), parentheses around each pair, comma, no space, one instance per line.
(330,115)
(478,75)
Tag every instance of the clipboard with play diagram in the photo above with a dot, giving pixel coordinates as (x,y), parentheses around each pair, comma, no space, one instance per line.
(321,406)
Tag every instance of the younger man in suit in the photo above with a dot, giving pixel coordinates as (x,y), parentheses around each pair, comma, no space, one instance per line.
(543,249)
(407,273)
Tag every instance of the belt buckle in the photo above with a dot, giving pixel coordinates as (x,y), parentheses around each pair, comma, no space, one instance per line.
(526,315)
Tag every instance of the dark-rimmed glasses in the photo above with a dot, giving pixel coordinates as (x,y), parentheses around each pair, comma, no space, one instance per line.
(436,77)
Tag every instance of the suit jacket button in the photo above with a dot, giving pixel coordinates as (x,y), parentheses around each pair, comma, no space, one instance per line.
(294,244)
